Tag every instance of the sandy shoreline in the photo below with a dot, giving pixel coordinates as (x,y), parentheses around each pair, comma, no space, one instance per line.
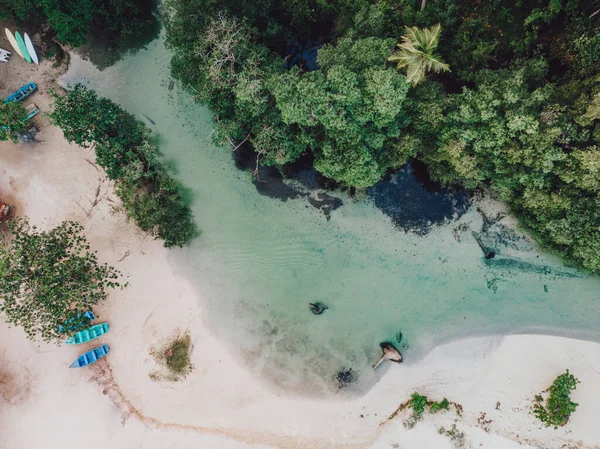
(221,405)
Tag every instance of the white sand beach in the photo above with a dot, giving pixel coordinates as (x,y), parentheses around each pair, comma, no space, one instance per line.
(220,405)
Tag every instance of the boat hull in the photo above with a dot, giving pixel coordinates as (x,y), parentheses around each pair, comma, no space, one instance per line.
(30,49)
(13,42)
(90,357)
(21,93)
(22,47)
(89,334)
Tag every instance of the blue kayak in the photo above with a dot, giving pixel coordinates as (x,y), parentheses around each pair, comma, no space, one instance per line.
(90,357)
(21,93)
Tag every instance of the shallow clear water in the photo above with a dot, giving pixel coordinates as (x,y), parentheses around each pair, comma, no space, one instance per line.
(260,261)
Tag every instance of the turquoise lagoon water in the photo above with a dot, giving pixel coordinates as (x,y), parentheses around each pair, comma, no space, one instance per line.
(260,261)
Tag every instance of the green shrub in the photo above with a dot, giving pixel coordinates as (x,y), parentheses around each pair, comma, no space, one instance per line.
(558,406)
(417,404)
(435,407)
(125,150)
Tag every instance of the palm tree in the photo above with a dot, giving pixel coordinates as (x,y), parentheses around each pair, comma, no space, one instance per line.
(416,53)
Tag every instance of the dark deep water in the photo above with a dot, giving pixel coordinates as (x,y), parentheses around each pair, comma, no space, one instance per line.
(408,196)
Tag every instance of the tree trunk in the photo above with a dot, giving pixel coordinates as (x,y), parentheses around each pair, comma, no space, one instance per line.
(423,2)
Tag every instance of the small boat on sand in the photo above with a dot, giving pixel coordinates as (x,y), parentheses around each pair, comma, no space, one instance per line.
(21,93)
(32,110)
(90,357)
(89,334)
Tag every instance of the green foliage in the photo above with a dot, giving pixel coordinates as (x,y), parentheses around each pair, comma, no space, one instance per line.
(73,20)
(558,406)
(173,358)
(416,52)
(417,404)
(177,355)
(350,112)
(435,407)
(50,277)
(519,113)
(124,148)
(13,120)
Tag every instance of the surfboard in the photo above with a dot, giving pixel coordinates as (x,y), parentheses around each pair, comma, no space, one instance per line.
(30,49)
(22,47)
(13,42)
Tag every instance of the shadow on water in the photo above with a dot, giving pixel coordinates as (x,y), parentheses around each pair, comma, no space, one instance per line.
(414,202)
(103,49)
(408,196)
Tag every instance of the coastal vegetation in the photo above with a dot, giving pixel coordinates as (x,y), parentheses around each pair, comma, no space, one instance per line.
(418,404)
(173,358)
(49,279)
(72,21)
(498,95)
(127,151)
(13,121)
(556,408)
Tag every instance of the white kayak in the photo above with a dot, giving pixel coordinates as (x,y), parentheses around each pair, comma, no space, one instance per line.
(13,42)
(30,49)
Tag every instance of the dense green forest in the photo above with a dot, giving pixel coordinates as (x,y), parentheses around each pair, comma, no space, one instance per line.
(72,21)
(126,149)
(488,93)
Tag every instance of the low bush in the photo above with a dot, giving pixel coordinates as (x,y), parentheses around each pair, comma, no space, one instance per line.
(557,408)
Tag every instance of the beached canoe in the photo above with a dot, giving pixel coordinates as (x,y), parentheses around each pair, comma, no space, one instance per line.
(21,93)
(13,42)
(30,49)
(32,110)
(22,47)
(89,334)
(90,357)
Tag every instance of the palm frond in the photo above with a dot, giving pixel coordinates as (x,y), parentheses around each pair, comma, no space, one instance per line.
(416,52)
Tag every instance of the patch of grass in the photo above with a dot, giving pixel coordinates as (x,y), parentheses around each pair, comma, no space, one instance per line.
(173,359)
(558,406)
(435,407)
(419,403)
(177,355)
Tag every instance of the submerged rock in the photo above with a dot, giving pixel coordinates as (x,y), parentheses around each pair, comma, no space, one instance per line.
(345,377)
(317,308)
(389,353)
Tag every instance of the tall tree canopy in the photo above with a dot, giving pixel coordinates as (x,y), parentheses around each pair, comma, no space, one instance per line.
(49,278)
(518,113)
(126,150)
(73,20)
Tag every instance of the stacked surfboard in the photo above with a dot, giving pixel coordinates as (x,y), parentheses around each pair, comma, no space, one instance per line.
(22,46)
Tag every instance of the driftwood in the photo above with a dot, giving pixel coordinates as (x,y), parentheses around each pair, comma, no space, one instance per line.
(389,353)
(489,254)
